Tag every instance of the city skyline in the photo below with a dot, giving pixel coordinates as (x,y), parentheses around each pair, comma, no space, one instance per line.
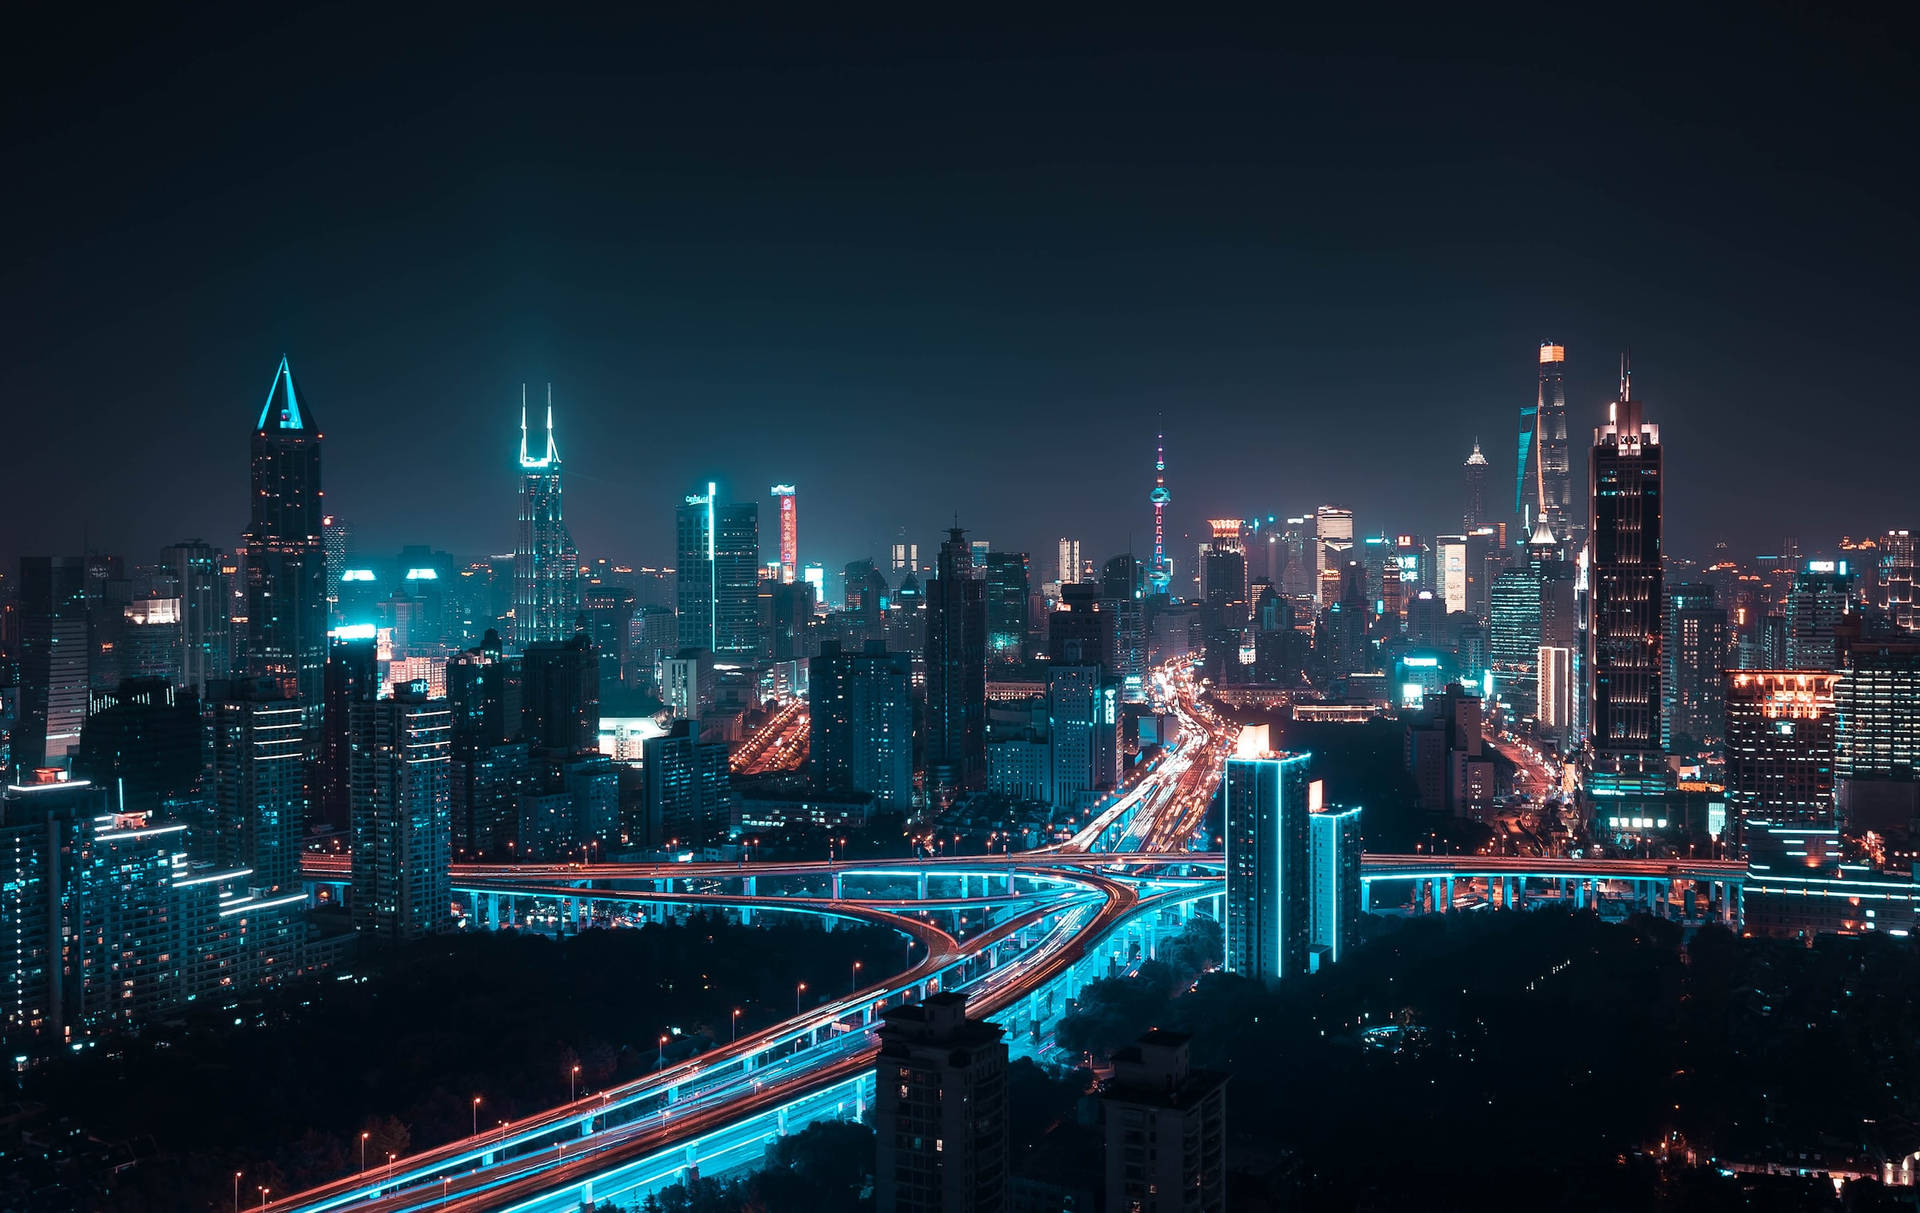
(730,233)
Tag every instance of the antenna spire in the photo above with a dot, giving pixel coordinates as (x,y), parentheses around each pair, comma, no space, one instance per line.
(1626,375)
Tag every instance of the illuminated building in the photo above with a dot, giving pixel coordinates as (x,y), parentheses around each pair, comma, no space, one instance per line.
(652,633)
(1450,561)
(1269,927)
(336,538)
(1123,596)
(479,775)
(1068,562)
(1543,488)
(860,722)
(789,531)
(43,831)
(1080,630)
(1334,860)
(149,641)
(1160,573)
(788,608)
(940,1110)
(1877,737)
(1476,511)
(1626,602)
(54,644)
(956,665)
(718,566)
(402,815)
(1166,1129)
(257,736)
(608,610)
(1083,725)
(204,640)
(145,741)
(1798,887)
(546,566)
(1896,596)
(285,558)
(688,795)
(1298,571)
(1816,605)
(1445,753)
(1780,746)
(1696,650)
(1008,587)
(1513,646)
(1333,543)
(1555,694)
(352,676)
(686,683)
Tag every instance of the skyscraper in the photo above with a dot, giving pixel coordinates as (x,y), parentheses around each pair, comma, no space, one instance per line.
(1696,654)
(1513,647)
(560,700)
(1067,564)
(1007,581)
(1269,928)
(861,722)
(1334,860)
(402,815)
(352,676)
(1543,486)
(1625,627)
(1083,725)
(1780,746)
(789,531)
(54,654)
(1476,511)
(940,1110)
(144,742)
(285,554)
(718,575)
(259,753)
(205,643)
(546,566)
(1818,601)
(337,538)
(956,657)
(1896,580)
(1333,547)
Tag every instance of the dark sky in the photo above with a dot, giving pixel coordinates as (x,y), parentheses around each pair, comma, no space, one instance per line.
(919,271)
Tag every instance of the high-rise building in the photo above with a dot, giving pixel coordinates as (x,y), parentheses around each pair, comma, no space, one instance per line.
(1083,723)
(1476,511)
(1780,746)
(336,537)
(688,795)
(1008,585)
(560,702)
(1334,861)
(956,658)
(860,724)
(1877,702)
(205,643)
(1819,600)
(258,738)
(285,553)
(1697,653)
(1513,646)
(402,815)
(1450,559)
(608,610)
(546,565)
(1067,565)
(1896,580)
(1333,547)
(145,744)
(54,658)
(1543,487)
(718,568)
(1626,601)
(484,783)
(1080,630)
(940,1110)
(352,676)
(1166,1129)
(1269,928)
(789,532)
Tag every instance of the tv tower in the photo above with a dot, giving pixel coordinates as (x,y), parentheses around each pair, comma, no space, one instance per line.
(1159,576)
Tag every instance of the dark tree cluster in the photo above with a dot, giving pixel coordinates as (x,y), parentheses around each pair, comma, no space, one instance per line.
(283,1089)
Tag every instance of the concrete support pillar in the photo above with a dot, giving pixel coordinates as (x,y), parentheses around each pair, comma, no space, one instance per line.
(922,886)
(1366,896)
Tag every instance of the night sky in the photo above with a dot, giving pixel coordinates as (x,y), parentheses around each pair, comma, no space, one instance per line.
(924,271)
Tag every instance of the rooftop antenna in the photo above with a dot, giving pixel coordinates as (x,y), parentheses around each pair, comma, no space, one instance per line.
(1626,375)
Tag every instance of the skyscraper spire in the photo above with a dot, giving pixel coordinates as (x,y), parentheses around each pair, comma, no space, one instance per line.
(523,425)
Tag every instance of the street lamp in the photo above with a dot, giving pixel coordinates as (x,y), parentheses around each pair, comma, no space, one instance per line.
(571,1079)
(236,1192)
(390,1157)
(363,1152)
(476,1116)
(856,977)
(663,1052)
(263,1198)
(444,1181)
(797,992)
(736,1023)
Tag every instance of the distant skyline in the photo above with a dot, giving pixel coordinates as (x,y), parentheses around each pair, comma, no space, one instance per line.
(919,272)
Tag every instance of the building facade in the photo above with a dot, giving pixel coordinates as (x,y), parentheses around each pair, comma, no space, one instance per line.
(940,1110)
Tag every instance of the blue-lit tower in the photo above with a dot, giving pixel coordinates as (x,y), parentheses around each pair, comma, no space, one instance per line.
(286,559)
(546,566)
(1159,576)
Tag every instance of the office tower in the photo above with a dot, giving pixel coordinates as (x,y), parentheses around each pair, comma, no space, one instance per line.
(790,610)
(1067,563)
(1269,926)
(1896,596)
(1780,746)
(1816,605)
(687,683)
(1626,600)
(1080,630)
(148,645)
(608,612)
(336,538)
(940,1110)
(1083,725)
(1129,648)
(1476,511)
(1450,557)
(402,807)
(145,745)
(1554,695)
(1008,585)
(352,676)
(485,771)
(653,633)
(560,705)
(860,729)
(1333,546)
(258,741)
(789,532)
(1877,737)
(718,568)
(1299,572)
(43,835)
(1543,488)
(1166,1129)
(956,658)
(130,941)
(688,797)
(1513,646)
(285,555)
(546,565)
(204,628)
(54,631)
(1223,565)
(1696,651)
